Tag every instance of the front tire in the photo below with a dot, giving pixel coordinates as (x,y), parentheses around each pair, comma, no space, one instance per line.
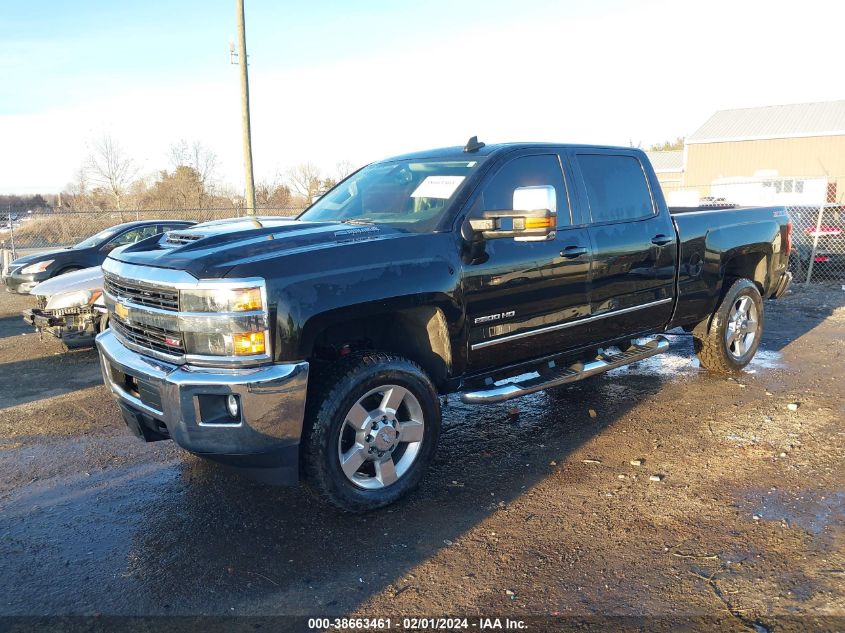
(729,341)
(372,425)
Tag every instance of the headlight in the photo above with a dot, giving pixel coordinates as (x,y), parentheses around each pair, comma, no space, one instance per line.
(221,300)
(39,267)
(227,319)
(69,300)
(217,344)
(73,299)
(248,343)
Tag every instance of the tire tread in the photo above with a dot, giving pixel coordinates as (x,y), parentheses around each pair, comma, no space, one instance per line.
(328,387)
(708,337)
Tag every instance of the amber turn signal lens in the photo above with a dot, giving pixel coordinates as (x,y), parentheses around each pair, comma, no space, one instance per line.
(247,343)
(538,223)
(246,299)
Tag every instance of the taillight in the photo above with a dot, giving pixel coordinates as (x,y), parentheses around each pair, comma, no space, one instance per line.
(788,246)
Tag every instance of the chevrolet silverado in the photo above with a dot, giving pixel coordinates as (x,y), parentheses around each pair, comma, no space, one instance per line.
(318,347)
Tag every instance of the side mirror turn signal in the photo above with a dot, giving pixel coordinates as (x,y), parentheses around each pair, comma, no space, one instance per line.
(524,226)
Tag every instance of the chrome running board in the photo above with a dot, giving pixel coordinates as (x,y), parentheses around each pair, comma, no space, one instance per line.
(555,376)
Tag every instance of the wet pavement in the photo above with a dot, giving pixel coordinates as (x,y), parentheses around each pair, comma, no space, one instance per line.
(531,506)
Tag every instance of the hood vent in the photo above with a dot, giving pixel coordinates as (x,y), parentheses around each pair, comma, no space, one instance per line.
(180,239)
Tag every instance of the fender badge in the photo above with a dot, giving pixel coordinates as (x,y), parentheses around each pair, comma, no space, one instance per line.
(495,317)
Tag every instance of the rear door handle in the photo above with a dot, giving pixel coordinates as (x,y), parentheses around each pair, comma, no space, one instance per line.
(571,252)
(661,240)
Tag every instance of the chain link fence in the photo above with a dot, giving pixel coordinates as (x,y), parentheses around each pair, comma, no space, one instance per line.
(818,219)
(817,214)
(21,232)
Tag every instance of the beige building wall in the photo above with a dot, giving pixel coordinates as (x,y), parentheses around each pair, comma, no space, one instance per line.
(670,180)
(817,156)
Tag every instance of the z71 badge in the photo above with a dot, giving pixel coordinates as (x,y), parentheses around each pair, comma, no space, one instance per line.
(495,317)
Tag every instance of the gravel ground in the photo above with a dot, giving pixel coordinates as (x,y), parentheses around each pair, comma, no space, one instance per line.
(542,505)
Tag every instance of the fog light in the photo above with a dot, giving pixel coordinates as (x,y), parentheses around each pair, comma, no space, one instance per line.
(232,406)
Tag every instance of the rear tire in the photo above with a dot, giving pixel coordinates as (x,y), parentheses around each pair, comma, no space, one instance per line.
(371,429)
(727,341)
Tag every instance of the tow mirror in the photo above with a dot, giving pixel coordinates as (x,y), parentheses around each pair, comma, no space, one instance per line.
(531,219)
(522,226)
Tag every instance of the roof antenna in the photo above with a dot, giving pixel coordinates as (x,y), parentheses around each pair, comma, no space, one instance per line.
(473,145)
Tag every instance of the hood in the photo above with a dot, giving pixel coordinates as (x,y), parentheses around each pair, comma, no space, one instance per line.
(37,257)
(85,279)
(210,250)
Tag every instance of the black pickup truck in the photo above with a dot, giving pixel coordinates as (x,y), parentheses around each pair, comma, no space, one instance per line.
(317,347)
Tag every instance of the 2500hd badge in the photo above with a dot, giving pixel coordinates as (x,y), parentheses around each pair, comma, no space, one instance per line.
(495,317)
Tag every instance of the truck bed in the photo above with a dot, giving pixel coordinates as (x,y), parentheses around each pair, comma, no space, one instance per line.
(711,240)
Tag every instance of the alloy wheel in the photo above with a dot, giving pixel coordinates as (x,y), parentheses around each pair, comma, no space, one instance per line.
(381,437)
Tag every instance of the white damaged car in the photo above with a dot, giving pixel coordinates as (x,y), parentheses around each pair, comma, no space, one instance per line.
(70,307)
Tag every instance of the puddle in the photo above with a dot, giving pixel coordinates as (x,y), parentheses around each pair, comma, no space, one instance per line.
(765,359)
(817,512)
(681,362)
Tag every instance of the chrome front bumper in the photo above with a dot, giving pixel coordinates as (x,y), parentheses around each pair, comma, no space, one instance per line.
(184,403)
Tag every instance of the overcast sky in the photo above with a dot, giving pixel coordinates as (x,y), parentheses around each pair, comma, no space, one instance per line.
(358,81)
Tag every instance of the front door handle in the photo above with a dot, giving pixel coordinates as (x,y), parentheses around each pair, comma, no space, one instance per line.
(571,252)
(661,240)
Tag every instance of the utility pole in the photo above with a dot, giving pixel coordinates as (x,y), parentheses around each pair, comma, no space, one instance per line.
(247,133)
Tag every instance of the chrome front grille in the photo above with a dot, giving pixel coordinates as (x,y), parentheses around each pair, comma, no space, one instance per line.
(148,336)
(142,294)
(145,316)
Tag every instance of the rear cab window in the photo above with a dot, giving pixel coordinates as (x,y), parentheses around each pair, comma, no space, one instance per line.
(616,187)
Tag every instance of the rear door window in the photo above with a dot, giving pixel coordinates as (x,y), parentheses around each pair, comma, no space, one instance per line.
(616,186)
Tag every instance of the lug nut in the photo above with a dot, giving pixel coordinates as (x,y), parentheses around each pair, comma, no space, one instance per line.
(369,438)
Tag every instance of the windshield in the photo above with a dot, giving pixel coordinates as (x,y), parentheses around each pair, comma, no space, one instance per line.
(97,238)
(411,195)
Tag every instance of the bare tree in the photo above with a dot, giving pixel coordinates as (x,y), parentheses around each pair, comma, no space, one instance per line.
(202,161)
(272,195)
(667,146)
(110,168)
(198,156)
(343,168)
(305,180)
(77,194)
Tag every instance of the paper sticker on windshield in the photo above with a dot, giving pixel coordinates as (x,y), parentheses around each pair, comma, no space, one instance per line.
(438,187)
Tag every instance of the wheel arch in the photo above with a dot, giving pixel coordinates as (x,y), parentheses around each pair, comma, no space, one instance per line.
(418,333)
(753,266)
